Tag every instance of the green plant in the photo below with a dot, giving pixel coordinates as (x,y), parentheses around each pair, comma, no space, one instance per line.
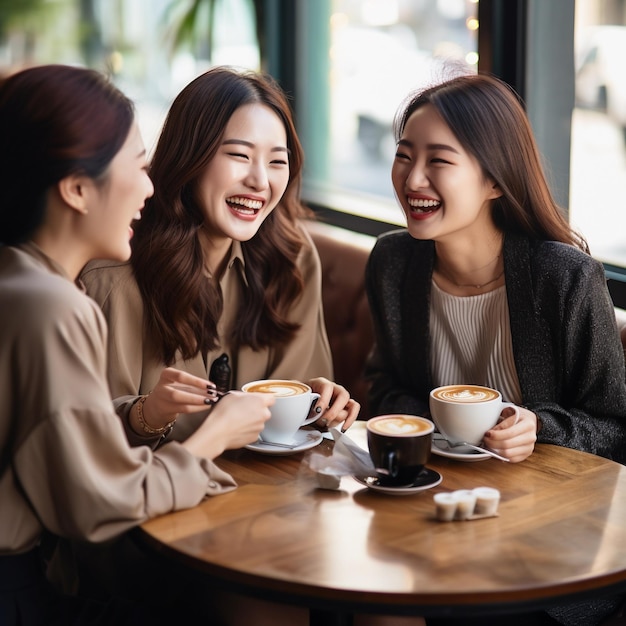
(193,23)
(10,11)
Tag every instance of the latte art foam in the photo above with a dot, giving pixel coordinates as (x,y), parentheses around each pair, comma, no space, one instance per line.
(466,394)
(399,426)
(281,388)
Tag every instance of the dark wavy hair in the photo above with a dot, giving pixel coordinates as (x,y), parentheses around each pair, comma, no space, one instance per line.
(488,119)
(55,120)
(183,307)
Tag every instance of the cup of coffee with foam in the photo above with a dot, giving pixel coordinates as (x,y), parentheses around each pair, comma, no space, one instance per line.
(399,446)
(466,412)
(290,411)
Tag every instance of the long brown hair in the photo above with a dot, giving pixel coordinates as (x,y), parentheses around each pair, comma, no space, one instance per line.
(55,120)
(488,119)
(182,306)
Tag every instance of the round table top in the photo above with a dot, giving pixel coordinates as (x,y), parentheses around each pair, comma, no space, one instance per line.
(560,530)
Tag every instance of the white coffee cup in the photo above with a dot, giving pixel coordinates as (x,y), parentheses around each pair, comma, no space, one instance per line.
(291,408)
(466,412)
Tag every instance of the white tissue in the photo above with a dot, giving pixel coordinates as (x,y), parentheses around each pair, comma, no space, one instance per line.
(348,458)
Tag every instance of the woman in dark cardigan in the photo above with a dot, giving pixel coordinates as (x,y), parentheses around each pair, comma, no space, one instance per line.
(490,285)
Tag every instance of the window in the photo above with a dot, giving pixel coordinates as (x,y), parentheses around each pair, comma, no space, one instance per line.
(378,52)
(134,41)
(349,63)
(598,157)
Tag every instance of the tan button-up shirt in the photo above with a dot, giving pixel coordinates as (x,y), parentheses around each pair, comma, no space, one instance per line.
(65,462)
(134,370)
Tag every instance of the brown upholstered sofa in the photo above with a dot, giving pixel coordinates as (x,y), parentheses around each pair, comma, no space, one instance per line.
(348,322)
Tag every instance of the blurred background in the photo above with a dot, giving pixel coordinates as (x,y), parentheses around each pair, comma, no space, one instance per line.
(348,64)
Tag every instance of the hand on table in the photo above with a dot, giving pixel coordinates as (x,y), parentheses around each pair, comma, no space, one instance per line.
(335,404)
(513,439)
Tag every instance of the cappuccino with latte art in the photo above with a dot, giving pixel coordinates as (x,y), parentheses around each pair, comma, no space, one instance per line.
(278,387)
(400,426)
(293,401)
(466,412)
(399,446)
(466,393)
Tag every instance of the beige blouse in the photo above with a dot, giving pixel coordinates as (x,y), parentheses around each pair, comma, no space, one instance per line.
(65,462)
(134,370)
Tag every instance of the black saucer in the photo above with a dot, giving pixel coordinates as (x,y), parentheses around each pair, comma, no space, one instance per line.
(428,478)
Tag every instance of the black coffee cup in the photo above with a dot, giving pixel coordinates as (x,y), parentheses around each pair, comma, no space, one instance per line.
(399,446)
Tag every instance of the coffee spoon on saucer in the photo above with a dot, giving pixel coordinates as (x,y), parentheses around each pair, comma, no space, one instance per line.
(275,444)
(458,444)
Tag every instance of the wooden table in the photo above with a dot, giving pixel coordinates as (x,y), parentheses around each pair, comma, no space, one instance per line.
(561,530)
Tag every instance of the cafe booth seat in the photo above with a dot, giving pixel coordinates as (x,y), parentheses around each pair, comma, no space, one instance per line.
(344,255)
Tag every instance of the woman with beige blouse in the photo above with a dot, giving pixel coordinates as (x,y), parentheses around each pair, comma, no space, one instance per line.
(72,178)
(221,262)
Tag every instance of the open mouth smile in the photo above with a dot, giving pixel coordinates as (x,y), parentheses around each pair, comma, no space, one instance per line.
(423,206)
(244,206)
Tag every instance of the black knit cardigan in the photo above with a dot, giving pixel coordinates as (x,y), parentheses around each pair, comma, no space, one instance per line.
(566,346)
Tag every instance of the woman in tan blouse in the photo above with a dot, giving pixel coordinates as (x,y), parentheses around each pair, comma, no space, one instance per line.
(221,263)
(72,178)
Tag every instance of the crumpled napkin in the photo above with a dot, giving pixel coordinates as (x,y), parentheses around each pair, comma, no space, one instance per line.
(348,458)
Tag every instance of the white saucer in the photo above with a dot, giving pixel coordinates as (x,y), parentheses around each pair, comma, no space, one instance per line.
(428,479)
(457,454)
(303,440)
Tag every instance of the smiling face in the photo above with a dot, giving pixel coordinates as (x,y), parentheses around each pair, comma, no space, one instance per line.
(246,178)
(440,186)
(113,203)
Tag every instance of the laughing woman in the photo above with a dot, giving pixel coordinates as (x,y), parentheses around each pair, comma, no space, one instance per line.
(490,285)
(72,178)
(221,263)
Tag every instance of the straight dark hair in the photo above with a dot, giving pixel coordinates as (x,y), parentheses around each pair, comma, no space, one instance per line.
(55,120)
(183,307)
(488,119)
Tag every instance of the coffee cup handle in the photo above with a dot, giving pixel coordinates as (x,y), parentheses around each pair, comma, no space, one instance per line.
(309,420)
(390,465)
(513,406)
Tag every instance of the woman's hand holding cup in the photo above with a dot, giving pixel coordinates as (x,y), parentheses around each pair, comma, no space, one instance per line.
(514,436)
(235,421)
(339,407)
(477,414)
(290,410)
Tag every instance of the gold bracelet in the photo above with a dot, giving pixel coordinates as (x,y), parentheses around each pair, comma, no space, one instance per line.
(145,426)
